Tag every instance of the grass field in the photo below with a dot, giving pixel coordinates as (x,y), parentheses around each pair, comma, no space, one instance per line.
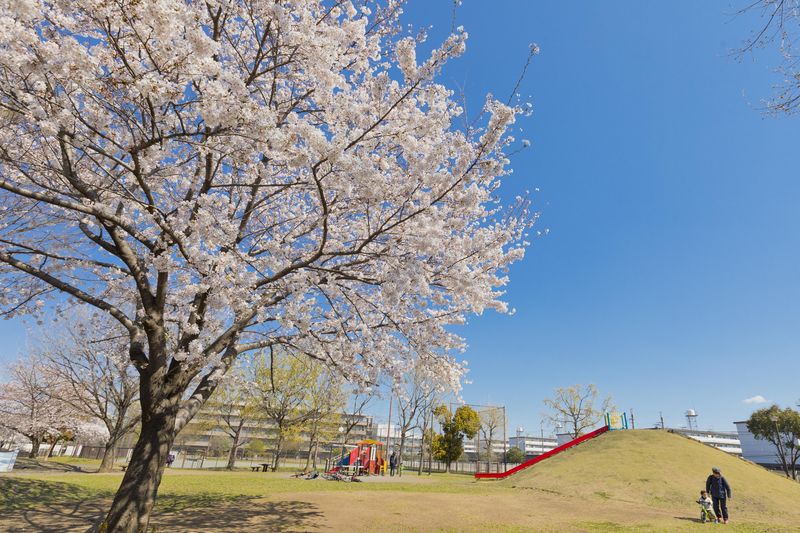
(625,481)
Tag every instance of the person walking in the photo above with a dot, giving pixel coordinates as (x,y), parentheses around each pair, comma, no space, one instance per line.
(392,464)
(720,491)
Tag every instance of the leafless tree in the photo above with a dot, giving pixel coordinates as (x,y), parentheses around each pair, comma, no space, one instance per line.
(492,421)
(414,397)
(354,413)
(578,407)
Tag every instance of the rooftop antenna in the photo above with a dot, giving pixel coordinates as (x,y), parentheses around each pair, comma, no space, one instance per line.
(691,419)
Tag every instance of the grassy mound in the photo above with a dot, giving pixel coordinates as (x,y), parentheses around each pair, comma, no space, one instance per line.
(658,470)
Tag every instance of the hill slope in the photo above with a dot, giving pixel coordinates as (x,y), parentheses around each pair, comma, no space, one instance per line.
(661,470)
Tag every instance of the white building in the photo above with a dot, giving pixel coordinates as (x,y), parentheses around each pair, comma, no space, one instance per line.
(533,445)
(727,441)
(389,434)
(498,447)
(759,451)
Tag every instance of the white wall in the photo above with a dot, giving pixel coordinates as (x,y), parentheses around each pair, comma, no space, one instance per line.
(756,450)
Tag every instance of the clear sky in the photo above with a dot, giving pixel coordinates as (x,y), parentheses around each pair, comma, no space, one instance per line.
(670,276)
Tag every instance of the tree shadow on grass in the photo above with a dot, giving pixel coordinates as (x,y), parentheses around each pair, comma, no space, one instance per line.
(27,464)
(35,505)
(18,493)
(242,514)
(43,506)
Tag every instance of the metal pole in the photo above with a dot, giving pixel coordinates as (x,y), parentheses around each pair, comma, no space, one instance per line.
(633,423)
(430,446)
(389,423)
(541,437)
(505,440)
(478,450)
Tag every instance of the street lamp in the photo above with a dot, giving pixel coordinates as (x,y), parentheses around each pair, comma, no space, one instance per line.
(341,438)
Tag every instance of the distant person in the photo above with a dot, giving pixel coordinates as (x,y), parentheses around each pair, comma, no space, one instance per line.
(392,464)
(170,459)
(720,491)
(706,512)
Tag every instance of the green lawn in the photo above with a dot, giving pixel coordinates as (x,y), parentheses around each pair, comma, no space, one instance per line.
(181,489)
(626,481)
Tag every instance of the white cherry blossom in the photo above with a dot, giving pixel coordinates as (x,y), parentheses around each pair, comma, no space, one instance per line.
(229,175)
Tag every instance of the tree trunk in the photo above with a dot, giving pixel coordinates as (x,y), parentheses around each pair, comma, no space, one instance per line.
(133,503)
(107,463)
(422,448)
(52,447)
(311,444)
(400,457)
(430,457)
(307,468)
(235,446)
(276,460)
(35,444)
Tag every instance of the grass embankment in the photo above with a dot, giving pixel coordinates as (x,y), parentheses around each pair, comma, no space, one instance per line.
(658,470)
(624,481)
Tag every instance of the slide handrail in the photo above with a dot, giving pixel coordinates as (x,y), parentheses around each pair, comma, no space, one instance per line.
(539,458)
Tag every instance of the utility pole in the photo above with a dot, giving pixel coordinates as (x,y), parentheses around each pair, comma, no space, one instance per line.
(505,440)
(422,442)
(478,450)
(430,446)
(541,437)
(633,423)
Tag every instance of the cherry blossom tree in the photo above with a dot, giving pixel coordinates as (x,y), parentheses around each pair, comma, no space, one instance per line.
(87,356)
(28,405)
(778,27)
(7,437)
(228,175)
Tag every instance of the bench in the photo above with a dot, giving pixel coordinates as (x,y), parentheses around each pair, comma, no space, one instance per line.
(255,468)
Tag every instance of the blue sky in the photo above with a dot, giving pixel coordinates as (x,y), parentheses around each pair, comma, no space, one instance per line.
(669,277)
(670,274)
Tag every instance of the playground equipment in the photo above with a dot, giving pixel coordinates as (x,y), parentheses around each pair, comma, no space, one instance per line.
(366,457)
(616,421)
(613,421)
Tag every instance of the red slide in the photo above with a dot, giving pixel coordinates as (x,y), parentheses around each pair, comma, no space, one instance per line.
(538,458)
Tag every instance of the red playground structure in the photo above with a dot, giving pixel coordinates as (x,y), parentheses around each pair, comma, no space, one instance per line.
(366,457)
